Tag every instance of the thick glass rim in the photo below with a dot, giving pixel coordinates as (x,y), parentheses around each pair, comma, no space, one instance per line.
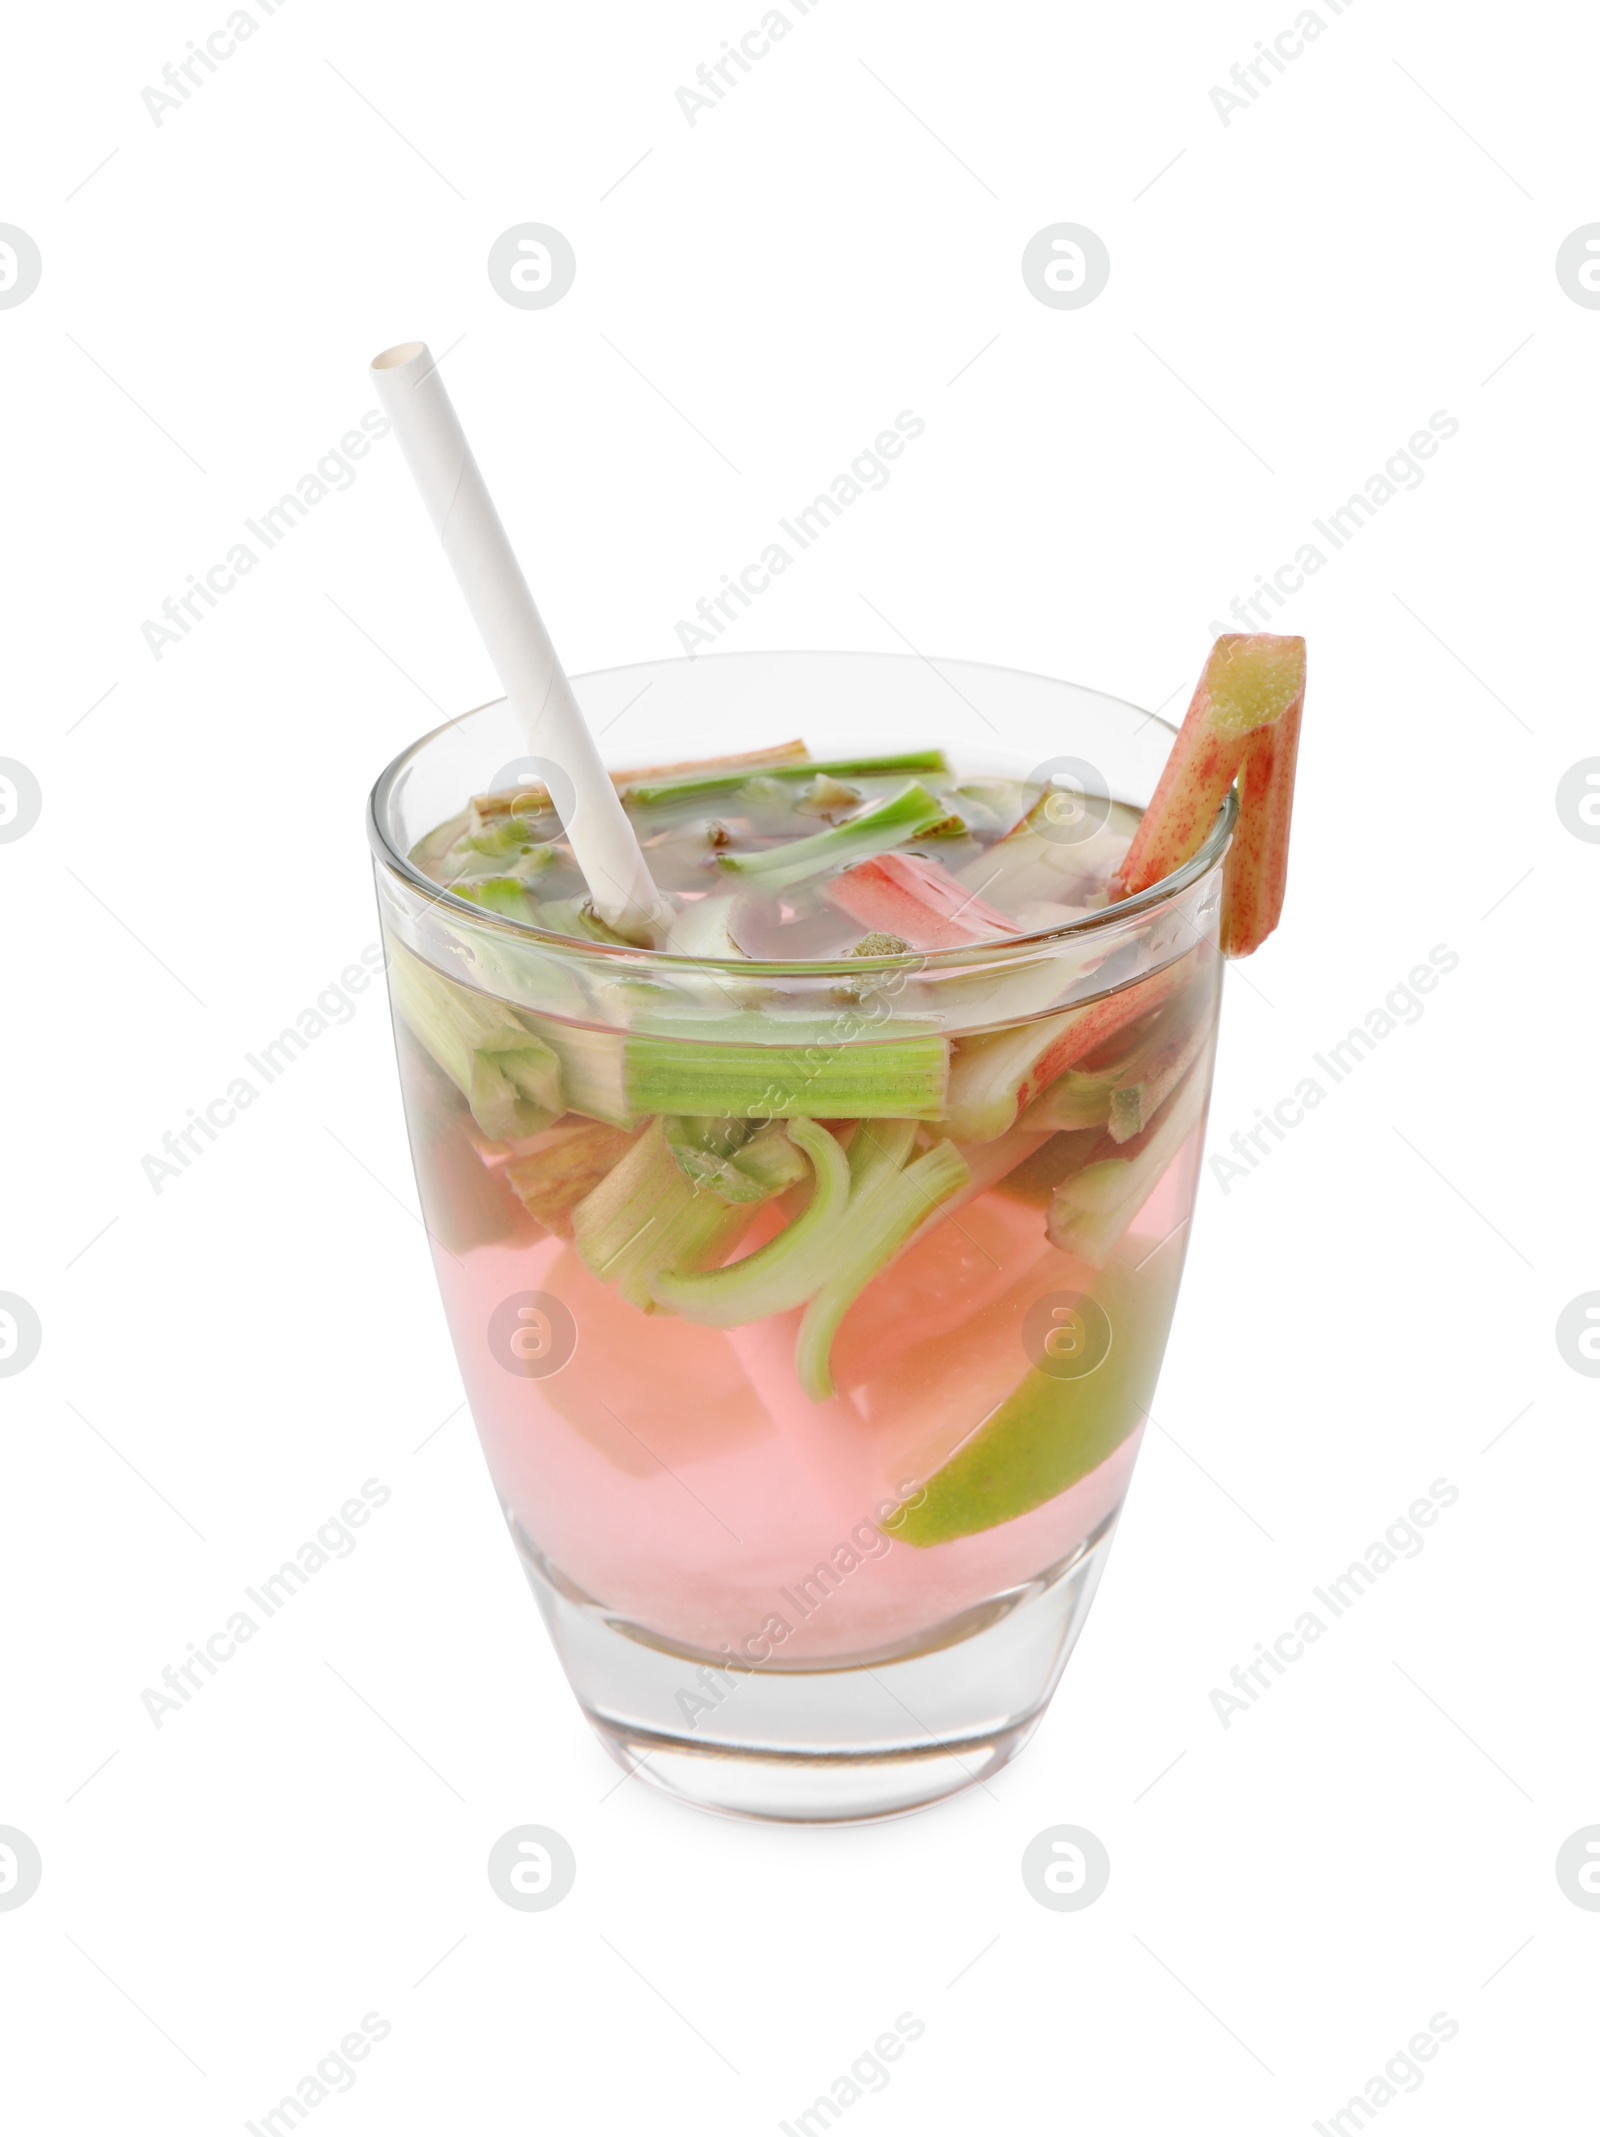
(1167,891)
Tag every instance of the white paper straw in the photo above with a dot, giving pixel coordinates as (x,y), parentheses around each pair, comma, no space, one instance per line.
(413,395)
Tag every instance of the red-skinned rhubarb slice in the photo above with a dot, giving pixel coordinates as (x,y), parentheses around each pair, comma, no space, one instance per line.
(1256,871)
(917,899)
(1244,718)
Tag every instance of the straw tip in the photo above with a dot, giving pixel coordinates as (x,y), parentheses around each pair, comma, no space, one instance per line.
(403,353)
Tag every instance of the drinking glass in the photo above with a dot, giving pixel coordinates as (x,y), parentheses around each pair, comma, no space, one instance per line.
(780,1589)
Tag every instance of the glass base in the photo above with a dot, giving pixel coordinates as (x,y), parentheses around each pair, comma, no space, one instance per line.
(865,1737)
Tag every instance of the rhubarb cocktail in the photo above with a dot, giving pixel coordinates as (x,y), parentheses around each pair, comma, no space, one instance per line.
(810,1264)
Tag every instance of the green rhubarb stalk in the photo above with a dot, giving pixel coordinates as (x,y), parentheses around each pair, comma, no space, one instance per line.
(574,917)
(996,1076)
(649,793)
(428,853)
(788,1270)
(1093,1208)
(505,853)
(878,829)
(877,1154)
(645,1217)
(988,1164)
(834,1077)
(593,1071)
(888,1208)
(1127,1094)
(507,1074)
(739,763)
(497,894)
(704,930)
(1139,1097)
(990,1073)
(722,1155)
(463,1196)
(504,835)
(1079,1098)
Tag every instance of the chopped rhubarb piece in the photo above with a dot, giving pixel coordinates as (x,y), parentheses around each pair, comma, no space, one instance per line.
(1091,1209)
(1256,871)
(567,1163)
(646,789)
(721,1155)
(644,1217)
(918,900)
(593,1070)
(789,1269)
(508,1075)
(827,796)
(1079,1098)
(574,917)
(464,1199)
(994,1077)
(878,828)
(736,761)
(704,930)
(1142,1091)
(534,793)
(900,1074)
(1245,716)
(987,1165)
(1125,1091)
(1033,862)
(498,894)
(887,1206)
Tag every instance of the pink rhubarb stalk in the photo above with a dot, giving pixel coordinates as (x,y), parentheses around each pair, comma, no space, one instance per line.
(918,900)
(1244,718)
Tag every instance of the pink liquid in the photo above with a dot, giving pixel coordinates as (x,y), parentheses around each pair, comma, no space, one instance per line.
(678,1475)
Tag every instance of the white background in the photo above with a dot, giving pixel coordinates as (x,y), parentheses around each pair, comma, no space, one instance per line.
(1369,241)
